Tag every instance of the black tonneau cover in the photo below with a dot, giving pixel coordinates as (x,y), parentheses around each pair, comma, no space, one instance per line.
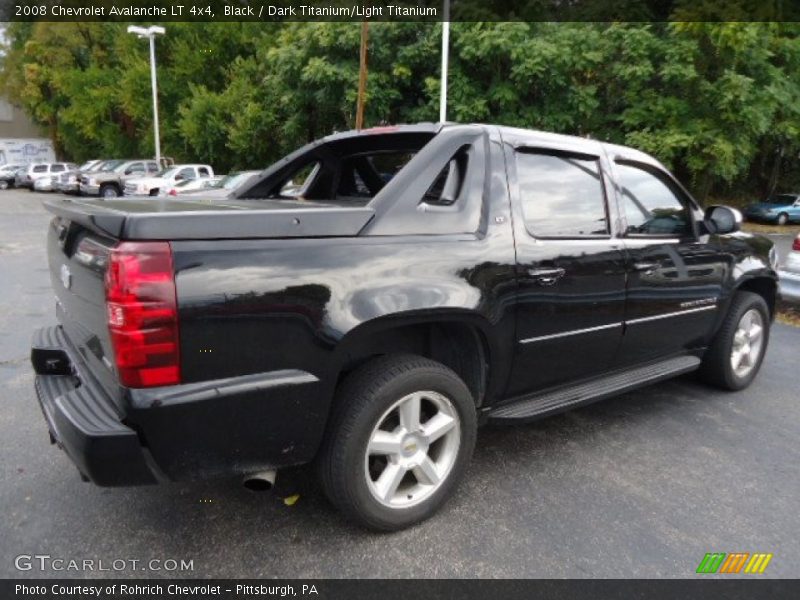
(175,219)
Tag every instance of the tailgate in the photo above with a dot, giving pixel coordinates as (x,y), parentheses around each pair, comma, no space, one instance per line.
(78,258)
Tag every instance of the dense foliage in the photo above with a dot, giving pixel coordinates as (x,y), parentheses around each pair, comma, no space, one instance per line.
(719,103)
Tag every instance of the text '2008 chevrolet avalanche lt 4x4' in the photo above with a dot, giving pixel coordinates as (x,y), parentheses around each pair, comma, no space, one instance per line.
(369,300)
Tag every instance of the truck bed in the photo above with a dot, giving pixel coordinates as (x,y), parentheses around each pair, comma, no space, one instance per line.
(195,219)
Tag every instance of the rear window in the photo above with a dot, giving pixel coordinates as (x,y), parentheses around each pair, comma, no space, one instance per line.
(351,169)
(364,175)
(561,195)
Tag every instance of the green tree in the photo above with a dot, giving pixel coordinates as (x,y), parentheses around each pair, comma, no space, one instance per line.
(717,102)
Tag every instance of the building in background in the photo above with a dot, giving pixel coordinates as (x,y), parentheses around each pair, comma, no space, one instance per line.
(21,141)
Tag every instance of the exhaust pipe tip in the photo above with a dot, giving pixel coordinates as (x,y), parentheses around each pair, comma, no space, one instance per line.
(260,482)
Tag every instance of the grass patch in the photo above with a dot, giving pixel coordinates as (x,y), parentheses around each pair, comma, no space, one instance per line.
(764,228)
(789,314)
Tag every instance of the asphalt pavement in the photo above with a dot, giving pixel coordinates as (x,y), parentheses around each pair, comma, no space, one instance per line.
(638,486)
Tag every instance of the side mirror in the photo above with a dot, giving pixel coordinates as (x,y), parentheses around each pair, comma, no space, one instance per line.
(722,219)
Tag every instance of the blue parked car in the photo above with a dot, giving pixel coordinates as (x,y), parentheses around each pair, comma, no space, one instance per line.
(780,209)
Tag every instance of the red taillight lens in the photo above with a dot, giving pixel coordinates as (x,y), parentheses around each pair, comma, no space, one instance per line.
(796,245)
(143,314)
(172,192)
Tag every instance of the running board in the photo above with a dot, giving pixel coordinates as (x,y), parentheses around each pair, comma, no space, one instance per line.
(564,398)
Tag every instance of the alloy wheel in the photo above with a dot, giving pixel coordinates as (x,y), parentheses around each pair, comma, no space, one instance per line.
(412,449)
(748,343)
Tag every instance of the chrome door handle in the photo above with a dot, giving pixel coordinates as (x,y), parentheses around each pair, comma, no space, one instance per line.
(546,276)
(646,267)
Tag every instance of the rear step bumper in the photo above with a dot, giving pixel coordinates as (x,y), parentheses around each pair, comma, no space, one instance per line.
(82,418)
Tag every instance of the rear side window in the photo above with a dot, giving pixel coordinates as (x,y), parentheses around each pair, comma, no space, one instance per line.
(651,207)
(446,188)
(562,195)
(152,167)
(40,169)
(296,185)
(203,171)
(56,168)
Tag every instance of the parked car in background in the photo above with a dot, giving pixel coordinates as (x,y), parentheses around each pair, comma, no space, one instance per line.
(220,187)
(780,209)
(42,170)
(110,181)
(8,174)
(69,181)
(789,273)
(151,186)
(190,185)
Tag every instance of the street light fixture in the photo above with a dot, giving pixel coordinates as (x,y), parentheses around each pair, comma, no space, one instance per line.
(151,33)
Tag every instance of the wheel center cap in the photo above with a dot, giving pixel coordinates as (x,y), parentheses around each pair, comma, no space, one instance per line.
(411,445)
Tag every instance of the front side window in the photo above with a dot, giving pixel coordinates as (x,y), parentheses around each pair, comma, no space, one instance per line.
(40,169)
(561,195)
(56,168)
(187,173)
(651,207)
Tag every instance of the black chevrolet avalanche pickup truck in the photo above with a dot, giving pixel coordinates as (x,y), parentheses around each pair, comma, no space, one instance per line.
(370,299)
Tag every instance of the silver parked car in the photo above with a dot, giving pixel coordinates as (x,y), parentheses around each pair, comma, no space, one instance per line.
(8,174)
(69,181)
(789,274)
(219,188)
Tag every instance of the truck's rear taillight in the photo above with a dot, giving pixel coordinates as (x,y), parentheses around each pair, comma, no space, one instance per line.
(796,244)
(143,314)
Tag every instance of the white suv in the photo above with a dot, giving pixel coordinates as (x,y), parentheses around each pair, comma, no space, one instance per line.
(39,170)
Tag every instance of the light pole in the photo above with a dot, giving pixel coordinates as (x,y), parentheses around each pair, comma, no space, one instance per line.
(362,76)
(151,33)
(445,56)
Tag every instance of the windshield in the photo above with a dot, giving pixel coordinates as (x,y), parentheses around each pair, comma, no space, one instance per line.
(780,199)
(87,165)
(111,165)
(166,173)
(233,180)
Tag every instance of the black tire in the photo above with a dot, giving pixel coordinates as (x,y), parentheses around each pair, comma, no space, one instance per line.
(361,401)
(717,368)
(783,219)
(109,190)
